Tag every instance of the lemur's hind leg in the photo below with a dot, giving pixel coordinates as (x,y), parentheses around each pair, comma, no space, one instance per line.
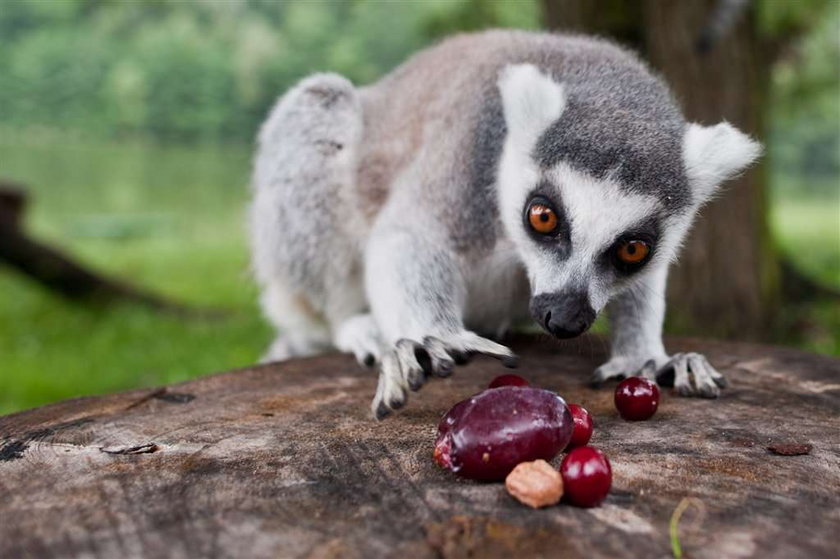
(301,331)
(303,225)
(360,336)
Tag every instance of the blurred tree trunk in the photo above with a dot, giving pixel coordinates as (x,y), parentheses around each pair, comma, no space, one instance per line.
(726,282)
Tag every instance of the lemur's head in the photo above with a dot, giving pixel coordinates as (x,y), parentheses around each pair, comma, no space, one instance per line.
(598,184)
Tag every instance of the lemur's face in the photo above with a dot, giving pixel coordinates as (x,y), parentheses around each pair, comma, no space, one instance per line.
(585,239)
(582,240)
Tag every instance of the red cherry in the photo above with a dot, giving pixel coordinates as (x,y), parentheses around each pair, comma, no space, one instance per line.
(636,398)
(508,380)
(582,430)
(587,477)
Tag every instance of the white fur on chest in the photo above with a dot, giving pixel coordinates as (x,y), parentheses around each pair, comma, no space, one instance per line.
(497,292)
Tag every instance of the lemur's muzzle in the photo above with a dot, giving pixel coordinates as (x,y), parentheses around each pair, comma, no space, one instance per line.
(564,315)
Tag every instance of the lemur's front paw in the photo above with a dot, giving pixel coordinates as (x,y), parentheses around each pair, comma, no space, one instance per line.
(691,374)
(410,363)
(621,366)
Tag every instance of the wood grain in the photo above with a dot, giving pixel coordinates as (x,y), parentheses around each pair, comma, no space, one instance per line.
(283,460)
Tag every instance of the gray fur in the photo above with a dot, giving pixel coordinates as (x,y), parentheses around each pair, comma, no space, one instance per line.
(619,117)
(378,227)
(487,139)
(622,120)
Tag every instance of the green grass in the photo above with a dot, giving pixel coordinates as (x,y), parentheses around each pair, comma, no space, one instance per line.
(167,219)
(808,232)
(171,219)
(54,350)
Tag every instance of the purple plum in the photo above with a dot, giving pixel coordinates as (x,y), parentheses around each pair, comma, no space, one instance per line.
(485,436)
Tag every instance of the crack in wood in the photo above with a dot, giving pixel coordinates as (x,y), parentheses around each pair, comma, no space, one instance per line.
(139,449)
(175,397)
(12,450)
(164,395)
(153,394)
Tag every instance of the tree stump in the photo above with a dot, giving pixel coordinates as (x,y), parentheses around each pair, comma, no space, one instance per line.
(284,460)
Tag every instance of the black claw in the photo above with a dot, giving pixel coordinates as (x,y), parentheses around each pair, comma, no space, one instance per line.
(416,382)
(445,369)
(459,357)
(369,360)
(665,376)
(721,382)
(684,391)
(510,361)
(424,360)
(599,383)
(397,404)
(382,411)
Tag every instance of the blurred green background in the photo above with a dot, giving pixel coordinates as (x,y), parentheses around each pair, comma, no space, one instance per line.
(131,125)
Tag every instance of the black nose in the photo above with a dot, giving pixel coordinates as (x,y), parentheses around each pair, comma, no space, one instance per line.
(564,315)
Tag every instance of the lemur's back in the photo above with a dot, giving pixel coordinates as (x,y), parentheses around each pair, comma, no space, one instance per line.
(442,109)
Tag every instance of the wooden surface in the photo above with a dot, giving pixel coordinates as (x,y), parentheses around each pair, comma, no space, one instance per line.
(284,461)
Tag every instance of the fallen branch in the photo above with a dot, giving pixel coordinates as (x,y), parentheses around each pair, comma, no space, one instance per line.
(12,204)
(61,274)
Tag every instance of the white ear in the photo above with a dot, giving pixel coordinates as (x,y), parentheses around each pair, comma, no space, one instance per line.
(714,154)
(531,100)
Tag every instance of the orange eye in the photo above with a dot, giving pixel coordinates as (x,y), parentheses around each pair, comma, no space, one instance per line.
(632,252)
(542,218)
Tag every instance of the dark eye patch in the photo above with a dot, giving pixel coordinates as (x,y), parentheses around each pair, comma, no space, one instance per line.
(647,232)
(559,242)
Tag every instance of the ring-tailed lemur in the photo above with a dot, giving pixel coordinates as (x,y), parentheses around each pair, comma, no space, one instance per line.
(488,176)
